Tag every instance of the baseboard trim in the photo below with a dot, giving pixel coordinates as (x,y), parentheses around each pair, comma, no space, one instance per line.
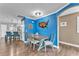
(56,46)
(74,45)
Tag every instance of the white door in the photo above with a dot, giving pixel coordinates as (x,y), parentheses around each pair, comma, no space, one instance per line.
(3,30)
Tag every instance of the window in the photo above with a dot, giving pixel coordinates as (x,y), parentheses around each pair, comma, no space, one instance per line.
(77,24)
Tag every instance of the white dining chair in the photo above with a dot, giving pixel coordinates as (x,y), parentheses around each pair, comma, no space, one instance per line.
(33,41)
(49,42)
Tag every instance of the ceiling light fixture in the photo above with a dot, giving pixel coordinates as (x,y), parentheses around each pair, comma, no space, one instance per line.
(37,13)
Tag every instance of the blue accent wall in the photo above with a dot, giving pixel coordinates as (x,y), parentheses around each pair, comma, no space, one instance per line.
(28,21)
(51,27)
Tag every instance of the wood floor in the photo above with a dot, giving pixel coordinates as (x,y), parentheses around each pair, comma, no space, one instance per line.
(20,49)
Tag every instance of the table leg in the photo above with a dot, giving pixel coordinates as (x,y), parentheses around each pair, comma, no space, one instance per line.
(33,46)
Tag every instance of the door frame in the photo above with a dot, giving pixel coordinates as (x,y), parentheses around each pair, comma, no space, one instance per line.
(1,29)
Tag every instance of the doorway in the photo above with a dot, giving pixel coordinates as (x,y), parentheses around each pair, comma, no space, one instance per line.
(3,30)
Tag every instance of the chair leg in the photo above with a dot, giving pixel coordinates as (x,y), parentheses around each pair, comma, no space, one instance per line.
(45,48)
(5,39)
(10,40)
(14,39)
(52,48)
(31,45)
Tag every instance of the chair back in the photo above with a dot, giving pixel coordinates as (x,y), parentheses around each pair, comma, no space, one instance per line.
(8,33)
(16,33)
(52,37)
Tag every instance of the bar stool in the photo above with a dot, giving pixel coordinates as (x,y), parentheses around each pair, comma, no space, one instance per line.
(16,36)
(8,36)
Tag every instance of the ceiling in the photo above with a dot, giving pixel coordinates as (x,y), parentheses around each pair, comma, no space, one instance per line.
(25,9)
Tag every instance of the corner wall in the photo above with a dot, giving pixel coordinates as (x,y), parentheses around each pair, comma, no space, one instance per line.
(50,29)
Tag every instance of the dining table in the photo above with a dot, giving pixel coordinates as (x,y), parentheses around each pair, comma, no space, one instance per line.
(38,39)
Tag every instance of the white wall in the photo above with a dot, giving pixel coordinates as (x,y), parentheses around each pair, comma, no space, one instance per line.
(70,11)
(3,30)
(7,19)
